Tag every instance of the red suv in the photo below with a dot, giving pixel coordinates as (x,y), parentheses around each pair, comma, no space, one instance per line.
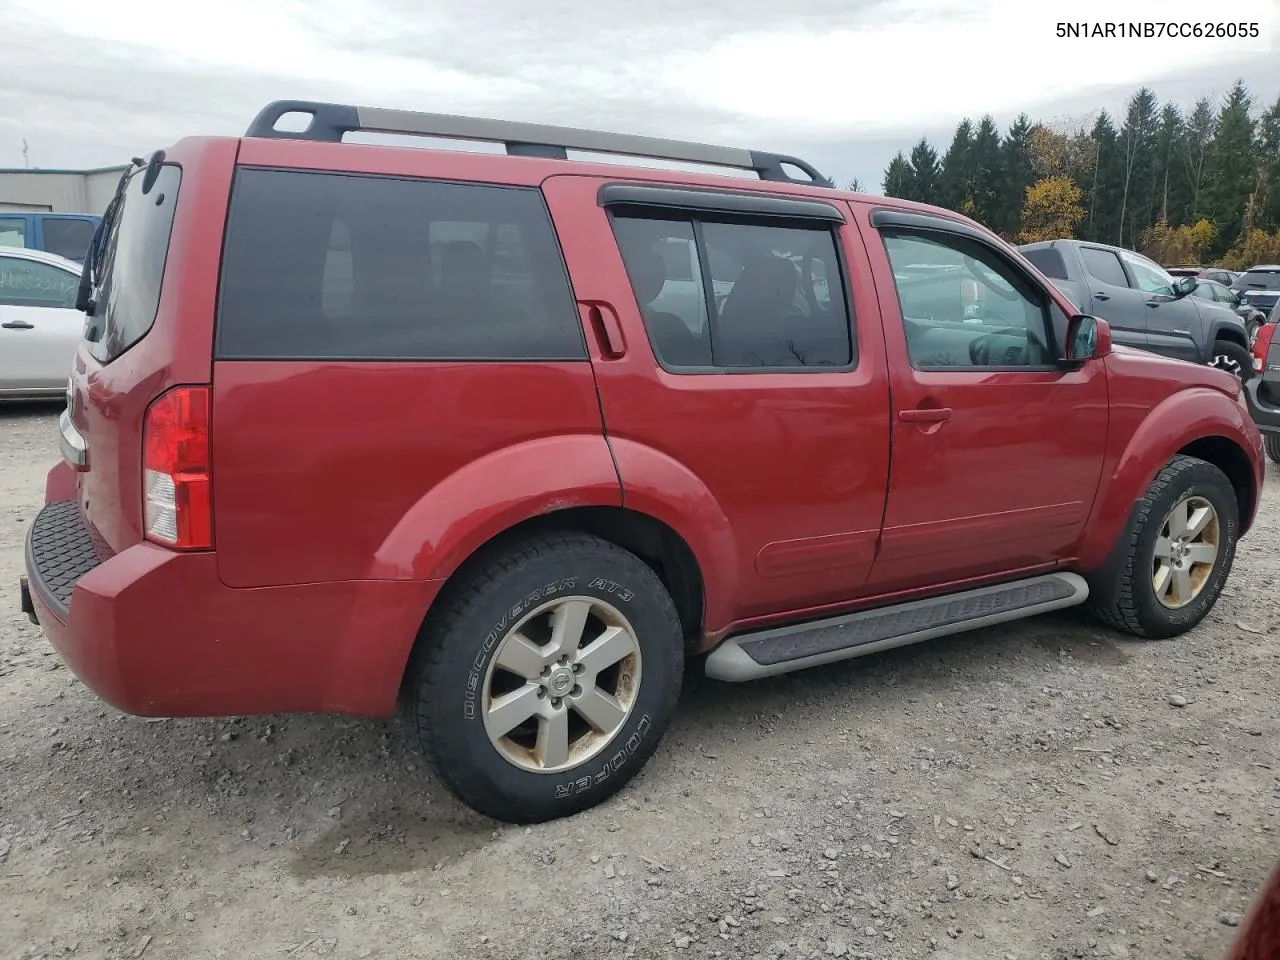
(511,436)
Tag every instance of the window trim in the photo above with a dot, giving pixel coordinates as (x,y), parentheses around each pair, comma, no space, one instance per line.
(574,302)
(1124,268)
(32,262)
(705,200)
(900,222)
(696,217)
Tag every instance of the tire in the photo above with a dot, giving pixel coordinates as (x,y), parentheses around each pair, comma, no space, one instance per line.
(1235,359)
(1127,598)
(1272,443)
(460,677)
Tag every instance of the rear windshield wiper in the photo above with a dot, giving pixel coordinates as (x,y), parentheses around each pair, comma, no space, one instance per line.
(88,272)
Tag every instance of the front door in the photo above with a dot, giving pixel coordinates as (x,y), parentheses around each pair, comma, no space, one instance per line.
(1115,297)
(735,397)
(997,449)
(1171,320)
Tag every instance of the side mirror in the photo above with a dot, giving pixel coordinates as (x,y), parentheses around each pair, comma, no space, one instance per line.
(1087,338)
(1182,286)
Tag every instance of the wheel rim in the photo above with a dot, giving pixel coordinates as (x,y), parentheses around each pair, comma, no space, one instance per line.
(1186,552)
(562,684)
(1223,362)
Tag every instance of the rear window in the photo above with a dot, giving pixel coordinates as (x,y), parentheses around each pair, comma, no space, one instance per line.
(13,232)
(1048,261)
(336,266)
(132,263)
(68,238)
(1259,280)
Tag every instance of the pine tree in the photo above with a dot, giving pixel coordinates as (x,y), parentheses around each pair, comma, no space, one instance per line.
(1268,152)
(986,166)
(1016,174)
(1232,168)
(1201,127)
(897,178)
(1137,139)
(855,186)
(924,172)
(955,181)
(1171,205)
(1106,181)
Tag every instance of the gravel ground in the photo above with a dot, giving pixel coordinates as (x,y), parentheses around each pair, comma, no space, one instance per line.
(1041,790)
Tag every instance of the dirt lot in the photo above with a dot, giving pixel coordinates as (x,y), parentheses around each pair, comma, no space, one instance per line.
(1042,790)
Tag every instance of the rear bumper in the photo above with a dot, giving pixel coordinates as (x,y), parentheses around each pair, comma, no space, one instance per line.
(1264,410)
(156,633)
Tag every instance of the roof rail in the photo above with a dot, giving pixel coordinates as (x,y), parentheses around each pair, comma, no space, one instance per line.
(330,121)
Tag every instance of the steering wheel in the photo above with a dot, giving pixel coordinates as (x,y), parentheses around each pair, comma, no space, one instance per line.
(980,347)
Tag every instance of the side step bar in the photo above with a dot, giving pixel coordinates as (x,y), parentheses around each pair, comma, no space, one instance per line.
(766,653)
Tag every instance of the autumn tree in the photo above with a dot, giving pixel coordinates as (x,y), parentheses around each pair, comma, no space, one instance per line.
(1051,211)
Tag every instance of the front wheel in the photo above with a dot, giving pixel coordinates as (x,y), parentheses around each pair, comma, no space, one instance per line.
(1176,553)
(548,678)
(1272,442)
(1233,358)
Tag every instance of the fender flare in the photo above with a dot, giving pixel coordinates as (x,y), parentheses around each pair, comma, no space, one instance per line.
(1227,331)
(492,494)
(1187,416)
(656,484)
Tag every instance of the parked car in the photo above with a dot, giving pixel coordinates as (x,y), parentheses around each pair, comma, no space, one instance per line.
(66,234)
(1216,292)
(40,326)
(1260,286)
(1216,274)
(1143,304)
(1263,398)
(310,466)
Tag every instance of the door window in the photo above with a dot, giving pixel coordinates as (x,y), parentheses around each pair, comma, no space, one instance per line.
(963,306)
(68,238)
(1104,265)
(1149,277)
(13,232)
(27,283)
(774,293)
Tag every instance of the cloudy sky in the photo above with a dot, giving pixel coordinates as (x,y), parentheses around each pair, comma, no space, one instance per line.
(843,83)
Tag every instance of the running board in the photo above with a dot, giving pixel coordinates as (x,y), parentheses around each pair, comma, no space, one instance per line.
(766,653)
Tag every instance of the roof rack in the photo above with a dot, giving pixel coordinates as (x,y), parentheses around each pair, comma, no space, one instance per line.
(330,121)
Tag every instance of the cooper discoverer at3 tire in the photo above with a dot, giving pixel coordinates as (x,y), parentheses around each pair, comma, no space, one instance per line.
(1175,555)
(548,678)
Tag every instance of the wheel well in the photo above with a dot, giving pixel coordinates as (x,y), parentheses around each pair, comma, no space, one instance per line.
(664,550)
(1232,335)
(1227,456)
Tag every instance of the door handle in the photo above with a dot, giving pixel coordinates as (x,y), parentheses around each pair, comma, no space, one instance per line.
(608,331)
(1101,296)
(1153,304)
(18,325)
(925,415)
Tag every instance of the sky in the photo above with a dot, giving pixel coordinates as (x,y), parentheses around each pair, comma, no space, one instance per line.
(841,83)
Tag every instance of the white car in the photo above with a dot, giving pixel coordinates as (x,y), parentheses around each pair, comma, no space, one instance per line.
(39,323)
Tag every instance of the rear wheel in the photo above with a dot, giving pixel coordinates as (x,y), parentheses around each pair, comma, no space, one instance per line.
(1272,441)
(1233,358)
(1176,553)
(548,678)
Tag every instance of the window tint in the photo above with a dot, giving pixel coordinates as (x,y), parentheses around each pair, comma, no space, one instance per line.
(776,291)
(26,283)
(68,238)
(1104,265)
(666,276)
(963,306)
(13,232)
(339,266)
(132,262)
(1149,277)
(1048,261)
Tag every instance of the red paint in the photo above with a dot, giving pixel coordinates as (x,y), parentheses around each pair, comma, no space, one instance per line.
(345,494)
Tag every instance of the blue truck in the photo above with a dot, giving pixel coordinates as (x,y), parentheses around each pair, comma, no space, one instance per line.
(66,234)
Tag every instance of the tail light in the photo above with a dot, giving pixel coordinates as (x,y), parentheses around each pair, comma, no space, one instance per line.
(178,499)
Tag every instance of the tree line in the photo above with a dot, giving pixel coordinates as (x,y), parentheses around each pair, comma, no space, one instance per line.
(1184,187)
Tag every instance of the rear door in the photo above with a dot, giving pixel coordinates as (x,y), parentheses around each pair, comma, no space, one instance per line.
(39,325)
(735,362)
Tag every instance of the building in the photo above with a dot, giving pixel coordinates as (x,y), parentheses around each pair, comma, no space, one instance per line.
(58,191)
